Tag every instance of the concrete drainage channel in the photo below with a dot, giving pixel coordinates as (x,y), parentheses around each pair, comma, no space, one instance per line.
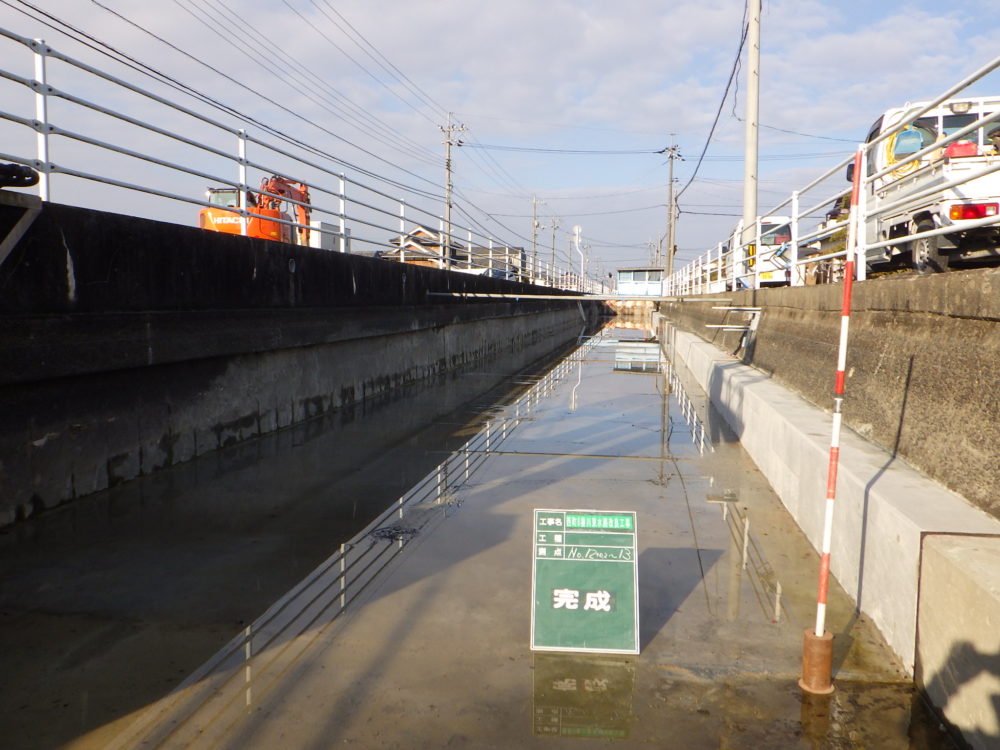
(922,562)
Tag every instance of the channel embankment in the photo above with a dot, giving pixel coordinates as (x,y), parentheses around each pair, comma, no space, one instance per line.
(131,345)
(916,535)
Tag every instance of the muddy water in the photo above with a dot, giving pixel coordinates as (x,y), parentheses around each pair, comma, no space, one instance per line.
(124,599)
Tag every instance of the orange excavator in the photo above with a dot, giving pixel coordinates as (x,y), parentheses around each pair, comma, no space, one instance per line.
(220,216)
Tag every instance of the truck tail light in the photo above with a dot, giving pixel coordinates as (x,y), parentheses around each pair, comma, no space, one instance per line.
(973,210)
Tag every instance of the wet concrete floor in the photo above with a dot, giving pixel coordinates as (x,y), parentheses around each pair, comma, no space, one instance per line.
(108,603)
(435,651)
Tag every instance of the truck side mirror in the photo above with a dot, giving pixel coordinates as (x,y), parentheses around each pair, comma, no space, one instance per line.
(850,172)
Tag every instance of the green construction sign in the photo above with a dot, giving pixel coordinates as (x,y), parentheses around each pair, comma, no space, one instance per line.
(584,583)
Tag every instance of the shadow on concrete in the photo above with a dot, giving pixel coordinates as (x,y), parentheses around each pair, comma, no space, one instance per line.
(667,577)
(108,601)
(868,491)
(964,664)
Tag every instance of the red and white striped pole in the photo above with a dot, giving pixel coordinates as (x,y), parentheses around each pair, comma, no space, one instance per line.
(817,645)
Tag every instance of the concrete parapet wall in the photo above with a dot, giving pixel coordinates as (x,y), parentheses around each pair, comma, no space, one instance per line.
(131,345)
(958,648)
(884,507)
(922,366)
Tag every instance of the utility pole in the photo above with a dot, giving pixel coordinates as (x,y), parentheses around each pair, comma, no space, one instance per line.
(751,130)
(448,131)
(577,230)
(555,225)
(534,230)
(673,153)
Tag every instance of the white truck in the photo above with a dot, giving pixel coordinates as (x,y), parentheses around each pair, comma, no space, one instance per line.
(948,187)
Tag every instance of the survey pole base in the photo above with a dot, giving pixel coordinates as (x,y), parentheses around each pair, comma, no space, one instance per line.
(817,663)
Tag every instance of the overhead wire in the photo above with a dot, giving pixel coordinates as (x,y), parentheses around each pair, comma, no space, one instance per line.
(305,80)
(572,151)
(247,117)
(722,103)
(657,206)
(383,61)
(350,57)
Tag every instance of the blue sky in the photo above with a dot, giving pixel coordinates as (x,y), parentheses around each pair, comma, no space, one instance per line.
(566,74)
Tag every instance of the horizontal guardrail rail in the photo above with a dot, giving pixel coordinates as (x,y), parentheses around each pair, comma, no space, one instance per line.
(815,248)
(137,149)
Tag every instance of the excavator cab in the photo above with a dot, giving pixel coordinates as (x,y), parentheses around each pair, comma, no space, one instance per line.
(220,217)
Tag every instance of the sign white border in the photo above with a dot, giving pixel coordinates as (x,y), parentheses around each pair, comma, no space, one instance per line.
(635,583)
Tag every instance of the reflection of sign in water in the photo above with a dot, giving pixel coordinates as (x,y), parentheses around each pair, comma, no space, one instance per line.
(582,696)
(584,582)
(637,356)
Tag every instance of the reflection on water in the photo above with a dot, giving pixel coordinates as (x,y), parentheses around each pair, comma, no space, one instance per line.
(252,664)
(582,696)
(406,668)
(637,356)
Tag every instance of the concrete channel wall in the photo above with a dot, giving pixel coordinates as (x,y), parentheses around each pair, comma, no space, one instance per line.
(131,345)
(923,365)
(907,549)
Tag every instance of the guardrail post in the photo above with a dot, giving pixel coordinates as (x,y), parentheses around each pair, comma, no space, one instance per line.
(861,232)
(343,576)
(402,225)
(343,213)
(41,118)
(757,255)
(241,151)
(797,272)
(247,656)
(490,260)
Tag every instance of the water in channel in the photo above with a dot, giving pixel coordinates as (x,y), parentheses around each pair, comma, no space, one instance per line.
(416,632)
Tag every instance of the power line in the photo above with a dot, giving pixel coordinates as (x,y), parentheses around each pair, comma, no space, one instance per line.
(298,75)
(533,150)
(401,77)
(807,135)
(722,102)
(248,118)
(592,213)
(350,57)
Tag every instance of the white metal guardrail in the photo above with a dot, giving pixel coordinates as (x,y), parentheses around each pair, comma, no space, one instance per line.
(141,151)
(814,218)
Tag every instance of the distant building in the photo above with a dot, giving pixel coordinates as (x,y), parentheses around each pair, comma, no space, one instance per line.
(422,247)
(638,282)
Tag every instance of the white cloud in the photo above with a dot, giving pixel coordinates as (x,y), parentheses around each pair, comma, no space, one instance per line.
(561,73)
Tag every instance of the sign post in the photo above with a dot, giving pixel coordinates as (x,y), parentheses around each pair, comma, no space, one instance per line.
(584,582)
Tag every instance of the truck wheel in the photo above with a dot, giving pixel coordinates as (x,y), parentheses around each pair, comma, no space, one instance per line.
(926,255)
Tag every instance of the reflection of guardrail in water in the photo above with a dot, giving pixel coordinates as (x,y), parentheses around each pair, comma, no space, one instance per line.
(688,409)
(328,591)
(765,585)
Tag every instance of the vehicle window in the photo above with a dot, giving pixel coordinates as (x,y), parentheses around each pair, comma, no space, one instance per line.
(639,275)
(223,198)
(956,122)
(624,275)
(775,234)
(927,127)
(874,131)
(654,275)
